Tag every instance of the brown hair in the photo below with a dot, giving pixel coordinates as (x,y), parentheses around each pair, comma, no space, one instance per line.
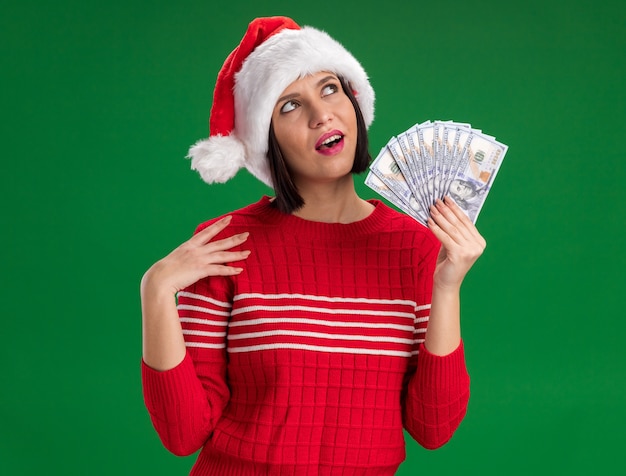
(287,197)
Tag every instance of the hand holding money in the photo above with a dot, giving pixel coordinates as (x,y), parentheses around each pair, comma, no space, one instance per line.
(461,246)
(461,242)
(433,160)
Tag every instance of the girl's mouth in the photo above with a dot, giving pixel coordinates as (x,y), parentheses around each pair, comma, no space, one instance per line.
(330,143)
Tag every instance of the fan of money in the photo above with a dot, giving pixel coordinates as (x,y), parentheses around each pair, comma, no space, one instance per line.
(433,160)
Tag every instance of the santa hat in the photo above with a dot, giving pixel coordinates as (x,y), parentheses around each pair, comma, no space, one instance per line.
(273,53)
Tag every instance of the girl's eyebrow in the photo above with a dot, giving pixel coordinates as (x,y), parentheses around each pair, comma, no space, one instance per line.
(325,79)
(287,96)
(322,81)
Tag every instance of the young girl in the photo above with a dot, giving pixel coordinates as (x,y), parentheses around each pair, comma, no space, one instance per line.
(311,327)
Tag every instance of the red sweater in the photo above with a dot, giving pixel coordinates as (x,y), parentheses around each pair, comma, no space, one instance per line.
(311,361)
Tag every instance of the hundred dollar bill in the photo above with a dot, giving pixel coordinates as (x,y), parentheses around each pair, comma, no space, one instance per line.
(433,160)
(479,163)
(403,140)
(414,168)
(402,157)
(422,157)
(389,172)
(439,130)
(373,182)
(457,134)
(443,137)
(424,136)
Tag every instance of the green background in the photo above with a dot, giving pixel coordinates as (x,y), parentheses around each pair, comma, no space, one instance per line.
(100,102)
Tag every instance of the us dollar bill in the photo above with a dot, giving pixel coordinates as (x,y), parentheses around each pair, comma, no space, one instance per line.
(435,159)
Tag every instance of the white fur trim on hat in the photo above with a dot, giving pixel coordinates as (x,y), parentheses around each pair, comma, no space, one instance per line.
(218,158)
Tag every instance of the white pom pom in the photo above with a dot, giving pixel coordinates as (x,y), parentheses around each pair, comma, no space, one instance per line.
(218,158)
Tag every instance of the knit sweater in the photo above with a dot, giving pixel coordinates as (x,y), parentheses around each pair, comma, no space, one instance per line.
(311,361)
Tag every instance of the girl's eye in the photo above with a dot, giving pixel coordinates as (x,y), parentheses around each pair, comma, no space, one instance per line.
(329,89)
(288,106)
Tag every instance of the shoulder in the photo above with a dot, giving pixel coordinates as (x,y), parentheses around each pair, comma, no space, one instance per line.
(250,215)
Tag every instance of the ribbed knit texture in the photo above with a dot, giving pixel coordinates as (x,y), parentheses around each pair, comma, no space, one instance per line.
(307,362)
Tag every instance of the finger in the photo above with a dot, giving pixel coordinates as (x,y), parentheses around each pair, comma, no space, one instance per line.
(447,221)
(208,233)
(455,237)
(460,221)
(463,218)
(226,243)
(225,269)
(449,202)
(222,270)
(460,215)
(224,257)
(454,214)
(463,253)
(446,240)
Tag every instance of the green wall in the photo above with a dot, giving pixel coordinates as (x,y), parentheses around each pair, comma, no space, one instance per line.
(100,102)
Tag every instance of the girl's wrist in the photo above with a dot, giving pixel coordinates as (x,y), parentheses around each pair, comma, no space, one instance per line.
(446,289)
(153,286)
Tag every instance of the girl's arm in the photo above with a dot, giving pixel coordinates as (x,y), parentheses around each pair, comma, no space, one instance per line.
(199,257)
(461,246)
(185,391)
(437,390)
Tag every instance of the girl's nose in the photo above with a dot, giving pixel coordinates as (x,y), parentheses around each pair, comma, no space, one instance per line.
(320,114)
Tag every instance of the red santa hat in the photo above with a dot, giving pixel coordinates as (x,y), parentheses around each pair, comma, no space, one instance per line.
(273,53)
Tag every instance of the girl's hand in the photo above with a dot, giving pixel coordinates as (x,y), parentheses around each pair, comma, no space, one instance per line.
(461,243)
(197,258)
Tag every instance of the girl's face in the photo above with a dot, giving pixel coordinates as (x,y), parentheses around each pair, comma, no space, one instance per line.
(315,126)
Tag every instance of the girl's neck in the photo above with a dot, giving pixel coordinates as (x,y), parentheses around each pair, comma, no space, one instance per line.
(333,203)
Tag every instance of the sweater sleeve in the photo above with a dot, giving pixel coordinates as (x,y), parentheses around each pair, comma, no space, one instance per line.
(185,402)
(436,388)
(436,397)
